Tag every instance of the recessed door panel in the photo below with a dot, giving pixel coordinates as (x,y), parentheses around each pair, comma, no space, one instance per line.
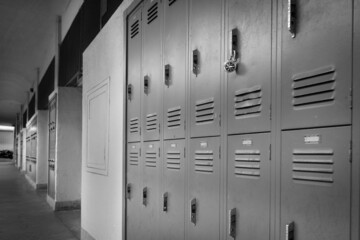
(248,199)
(133,191)
(315,184)
(203,206)
(173,191)
(316,63)
(134,76)
(249,85)
(150,192)
(152,79)
(175,39)
(205,66)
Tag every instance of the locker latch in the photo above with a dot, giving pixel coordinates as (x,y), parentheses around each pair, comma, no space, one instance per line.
(146,84)
(231,64)
(145,195)
(193,211)
(167,75)
(128,191)
(196,62)
(292,17)
(165,202)
(129,91)
(290,231)
(232,223)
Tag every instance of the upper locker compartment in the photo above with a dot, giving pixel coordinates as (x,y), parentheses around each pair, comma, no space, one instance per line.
(175,38)
(316,63)
(248,65)
(134,76)
(205,66)
(152,73)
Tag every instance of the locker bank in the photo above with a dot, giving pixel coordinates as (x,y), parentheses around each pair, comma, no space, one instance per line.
(197,119)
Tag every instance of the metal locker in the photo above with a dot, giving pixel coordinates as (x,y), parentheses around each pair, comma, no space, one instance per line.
(52,146)
(175,38)
(152,85)
(249,75)
(173,191)
(204,189)
(316,58)
(134,76)
(248,181)
(205,50)
(133,191)
(150,192)
(316,184)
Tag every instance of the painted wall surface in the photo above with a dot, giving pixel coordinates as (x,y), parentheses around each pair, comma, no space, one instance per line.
(102,195)
(42,147)
(68,150)
(6,140)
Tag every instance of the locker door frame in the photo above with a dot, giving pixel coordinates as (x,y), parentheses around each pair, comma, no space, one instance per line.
(53,99)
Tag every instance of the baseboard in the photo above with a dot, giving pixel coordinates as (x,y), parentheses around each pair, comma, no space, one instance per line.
(67,205)
(85,235)
(41,186)
(32,183)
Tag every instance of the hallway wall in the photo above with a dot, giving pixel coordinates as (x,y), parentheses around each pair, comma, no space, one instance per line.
(103,187)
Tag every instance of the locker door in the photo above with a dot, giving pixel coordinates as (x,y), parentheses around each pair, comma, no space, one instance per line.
(204,189)
(150,192)
(173,191)
(175,38)
(316,63)
(249,187)
(152,74)
(315,184)
(249,85)
(205,45)
(134,76)
(133,191)
(52,146)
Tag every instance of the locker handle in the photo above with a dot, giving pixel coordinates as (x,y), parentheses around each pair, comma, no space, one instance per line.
(290,231)
(146,84)
(167,75)
(128,191)
(145,195)
(231,64)
(129,91)
(165,202)
(196,62)
(232,223)
(291,24)
(193,211)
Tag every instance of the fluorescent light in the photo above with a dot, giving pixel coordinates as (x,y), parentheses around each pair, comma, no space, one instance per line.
(6,128)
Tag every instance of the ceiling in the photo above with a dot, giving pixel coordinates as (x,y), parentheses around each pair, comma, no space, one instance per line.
(27,37)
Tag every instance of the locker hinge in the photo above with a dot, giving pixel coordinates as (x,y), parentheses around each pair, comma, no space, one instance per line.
(140,152)
(184,152)
(219,119)
(159,127)
(350,151)
(270,152)
(351,98)
(140,131)
(270,111)
(220,152)
(159,152)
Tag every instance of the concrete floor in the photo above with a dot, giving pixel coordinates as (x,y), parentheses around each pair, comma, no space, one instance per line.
(24,213)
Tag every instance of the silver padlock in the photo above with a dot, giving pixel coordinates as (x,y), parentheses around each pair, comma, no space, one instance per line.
(231,64)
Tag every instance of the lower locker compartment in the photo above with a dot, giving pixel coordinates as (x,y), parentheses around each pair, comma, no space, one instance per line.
(316,184)
(203,206)
(248,181)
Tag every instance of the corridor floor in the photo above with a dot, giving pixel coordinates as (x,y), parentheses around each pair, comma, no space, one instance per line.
(25,214)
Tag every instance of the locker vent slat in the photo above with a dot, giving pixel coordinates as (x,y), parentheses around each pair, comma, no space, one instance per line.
(248,102)
(134,158)
(134,125)
(171,2)
(152,13)
(205,111)
(313,166)
(314,88)
(150,159)
(134,29)
(204,161)
(173,160)
(247,163)
(151,122)
(174,117)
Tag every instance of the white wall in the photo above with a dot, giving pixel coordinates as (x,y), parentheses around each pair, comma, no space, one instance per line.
(42,147)
(6,140)
(102,195)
